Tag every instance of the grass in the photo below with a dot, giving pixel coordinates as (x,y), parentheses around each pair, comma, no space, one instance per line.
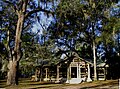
(28,84)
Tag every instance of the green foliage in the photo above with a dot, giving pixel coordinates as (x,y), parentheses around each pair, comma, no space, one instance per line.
(75,18)
(68,16)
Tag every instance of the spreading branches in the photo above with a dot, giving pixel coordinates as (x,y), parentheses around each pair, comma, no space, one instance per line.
(37,10)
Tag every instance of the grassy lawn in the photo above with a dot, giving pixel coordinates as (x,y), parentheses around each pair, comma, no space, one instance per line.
(27,84)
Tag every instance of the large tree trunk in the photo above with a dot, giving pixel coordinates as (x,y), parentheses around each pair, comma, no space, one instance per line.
(12,77)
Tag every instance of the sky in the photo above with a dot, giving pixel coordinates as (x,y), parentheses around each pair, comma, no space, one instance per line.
(44,21)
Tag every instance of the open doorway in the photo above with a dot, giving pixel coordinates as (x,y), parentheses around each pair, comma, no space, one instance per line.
(73,72)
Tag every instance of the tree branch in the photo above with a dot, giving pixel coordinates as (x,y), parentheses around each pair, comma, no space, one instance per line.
(38,10)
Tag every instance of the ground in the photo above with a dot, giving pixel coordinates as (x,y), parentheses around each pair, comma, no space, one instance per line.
(28,84)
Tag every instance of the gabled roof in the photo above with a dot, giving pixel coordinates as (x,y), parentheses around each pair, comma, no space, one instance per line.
(70,59)
(100,63)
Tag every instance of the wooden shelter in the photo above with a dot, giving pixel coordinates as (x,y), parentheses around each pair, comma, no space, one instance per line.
(73,70)
(78,69)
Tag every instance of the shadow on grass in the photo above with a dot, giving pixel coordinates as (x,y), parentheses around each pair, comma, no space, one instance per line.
(27,84)
(102,85)
(48,87)
(43,86)
(45,83)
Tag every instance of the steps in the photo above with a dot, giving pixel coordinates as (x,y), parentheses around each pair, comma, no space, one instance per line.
(74,81)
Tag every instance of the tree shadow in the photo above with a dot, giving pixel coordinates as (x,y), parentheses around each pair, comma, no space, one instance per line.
(105,84)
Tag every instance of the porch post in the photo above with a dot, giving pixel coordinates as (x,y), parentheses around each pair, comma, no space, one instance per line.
(68,74)
(41,74)
(46,73)
(57,78)
(104,73)
(88,78)
(78,73)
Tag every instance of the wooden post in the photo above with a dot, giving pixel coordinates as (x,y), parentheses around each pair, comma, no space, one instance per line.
(79,72)
(88,78)
(57,73)
(70,72)
(41,74)
(46,73)
(104,69)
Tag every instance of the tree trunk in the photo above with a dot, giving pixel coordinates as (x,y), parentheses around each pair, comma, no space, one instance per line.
(94,55)
(12,76)
(94,51)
